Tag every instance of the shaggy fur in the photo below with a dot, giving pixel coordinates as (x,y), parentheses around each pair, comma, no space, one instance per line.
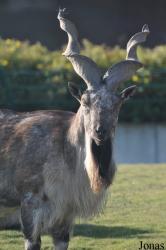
(47,166)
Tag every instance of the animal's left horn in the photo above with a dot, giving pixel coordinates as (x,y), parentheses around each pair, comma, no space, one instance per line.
(135,40)
(124,70)
(84,66)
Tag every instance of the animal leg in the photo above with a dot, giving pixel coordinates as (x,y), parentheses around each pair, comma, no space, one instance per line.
(61,243)
(30,245)
(29,205)
(61,237)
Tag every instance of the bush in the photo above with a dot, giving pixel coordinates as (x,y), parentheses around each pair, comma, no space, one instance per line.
(31,77)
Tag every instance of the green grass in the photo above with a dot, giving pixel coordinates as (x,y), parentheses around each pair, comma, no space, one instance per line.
(136,210)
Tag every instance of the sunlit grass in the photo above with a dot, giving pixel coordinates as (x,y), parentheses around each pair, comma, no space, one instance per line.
(135,211)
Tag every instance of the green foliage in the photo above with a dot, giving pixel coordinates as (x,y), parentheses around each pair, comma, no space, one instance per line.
(32,77)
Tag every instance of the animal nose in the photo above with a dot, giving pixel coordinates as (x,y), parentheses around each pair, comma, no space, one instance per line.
(100,131)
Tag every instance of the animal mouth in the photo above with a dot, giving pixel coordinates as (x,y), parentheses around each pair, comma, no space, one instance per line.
(102,151)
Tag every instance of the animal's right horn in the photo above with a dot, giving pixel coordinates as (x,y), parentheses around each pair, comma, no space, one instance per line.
(70,29)
(84,66)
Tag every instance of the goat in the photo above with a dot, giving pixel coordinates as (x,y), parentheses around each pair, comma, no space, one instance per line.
(57,165)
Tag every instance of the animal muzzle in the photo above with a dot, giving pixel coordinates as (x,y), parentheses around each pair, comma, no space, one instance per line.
(99,135)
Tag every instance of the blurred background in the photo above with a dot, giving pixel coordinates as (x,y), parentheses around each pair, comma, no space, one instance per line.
(34,74)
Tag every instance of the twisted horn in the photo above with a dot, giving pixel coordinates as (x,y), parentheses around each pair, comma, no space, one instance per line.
(124,70)
(136,40)
(70,29)
(83,66)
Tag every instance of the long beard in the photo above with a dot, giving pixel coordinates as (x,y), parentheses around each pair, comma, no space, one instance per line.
(98,161)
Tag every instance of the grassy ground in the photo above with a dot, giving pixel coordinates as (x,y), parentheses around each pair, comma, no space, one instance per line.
(135,211)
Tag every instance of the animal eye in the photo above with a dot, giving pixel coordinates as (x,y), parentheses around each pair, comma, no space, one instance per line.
(85,102)
(85,106)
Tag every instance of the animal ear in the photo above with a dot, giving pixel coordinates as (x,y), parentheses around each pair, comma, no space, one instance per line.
(128,92)
(75,91)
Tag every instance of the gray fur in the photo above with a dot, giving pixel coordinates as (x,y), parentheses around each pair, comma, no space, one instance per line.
(42,169)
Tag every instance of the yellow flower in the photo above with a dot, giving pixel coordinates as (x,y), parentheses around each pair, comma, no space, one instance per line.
(4,62)
(8,41)
(11,49)
(18,44)
(135,78)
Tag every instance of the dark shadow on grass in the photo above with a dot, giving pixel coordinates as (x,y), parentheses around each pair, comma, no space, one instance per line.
(99,231)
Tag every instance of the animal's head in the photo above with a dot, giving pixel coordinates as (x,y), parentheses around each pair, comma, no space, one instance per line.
(101,102)
(100,109)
